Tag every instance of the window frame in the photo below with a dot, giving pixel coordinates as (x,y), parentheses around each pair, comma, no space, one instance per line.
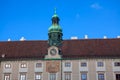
(101,76)
(67,75)
(83,64)
(39,65)
(82,78)
(7,66)
(67,64)
(21,75)
(117,64)
(23,65)
(117,76)
(7,75)
(100,64)
(38,74)
(52,76)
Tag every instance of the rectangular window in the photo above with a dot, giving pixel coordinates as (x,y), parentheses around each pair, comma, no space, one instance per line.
(7,66)
(38,76)
(83,64)
(101,77)
(67,76)
(38,65)
(100,64)
(117,76)
(83,76)
(23,65)
(6,76)
(117,64)
(23,76)
(52,76)
(67,64)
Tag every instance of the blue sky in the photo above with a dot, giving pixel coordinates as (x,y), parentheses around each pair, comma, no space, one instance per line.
(32,18)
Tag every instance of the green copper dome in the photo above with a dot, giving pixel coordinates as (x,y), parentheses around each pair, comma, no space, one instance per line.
(55,15)
(55,32)
(55,28)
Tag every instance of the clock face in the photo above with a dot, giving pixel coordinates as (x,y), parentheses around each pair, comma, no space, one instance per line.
(53,51)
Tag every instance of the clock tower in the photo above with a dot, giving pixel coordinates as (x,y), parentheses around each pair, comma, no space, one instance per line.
(55,39)
(55,32)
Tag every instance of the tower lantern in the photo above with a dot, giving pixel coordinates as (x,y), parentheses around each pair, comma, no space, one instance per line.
(55,31)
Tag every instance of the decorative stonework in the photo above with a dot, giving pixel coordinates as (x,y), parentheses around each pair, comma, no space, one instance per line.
(52,66)
(53,53)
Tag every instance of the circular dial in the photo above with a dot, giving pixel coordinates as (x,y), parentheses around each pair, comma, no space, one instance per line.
(53,51)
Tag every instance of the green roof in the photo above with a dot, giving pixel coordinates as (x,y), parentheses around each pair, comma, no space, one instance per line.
(55,28)
(55,15)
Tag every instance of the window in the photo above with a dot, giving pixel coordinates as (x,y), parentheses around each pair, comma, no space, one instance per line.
(117,76)
(22,76)
(7,66)
(101,77)
(100,64)
(67,76)
(83,64)
(117,64)
(38,65)
(67,64)
(37,76)
(52,76)
(23,65)
(83,76)
(6,76)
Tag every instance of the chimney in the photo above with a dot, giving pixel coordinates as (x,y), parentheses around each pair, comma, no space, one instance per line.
(74,37)
(86,36)
(9,39)
(105,37)
(118,36)
(22,39)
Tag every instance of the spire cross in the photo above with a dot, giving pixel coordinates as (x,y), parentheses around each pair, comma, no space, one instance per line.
(55,10)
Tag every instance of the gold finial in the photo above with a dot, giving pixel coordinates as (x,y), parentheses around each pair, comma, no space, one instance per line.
(55,10)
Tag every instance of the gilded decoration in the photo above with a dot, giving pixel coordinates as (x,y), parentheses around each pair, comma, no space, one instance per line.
(52,66)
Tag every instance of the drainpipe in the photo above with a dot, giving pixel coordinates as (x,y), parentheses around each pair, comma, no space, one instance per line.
(61,69)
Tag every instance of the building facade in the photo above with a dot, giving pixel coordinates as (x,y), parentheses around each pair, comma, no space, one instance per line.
(58,59)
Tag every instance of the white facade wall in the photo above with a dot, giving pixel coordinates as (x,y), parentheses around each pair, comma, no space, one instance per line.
(91,69)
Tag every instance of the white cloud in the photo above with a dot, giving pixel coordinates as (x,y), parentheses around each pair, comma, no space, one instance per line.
(96,6)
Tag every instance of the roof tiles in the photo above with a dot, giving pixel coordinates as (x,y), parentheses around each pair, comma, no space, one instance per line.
(69,49)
